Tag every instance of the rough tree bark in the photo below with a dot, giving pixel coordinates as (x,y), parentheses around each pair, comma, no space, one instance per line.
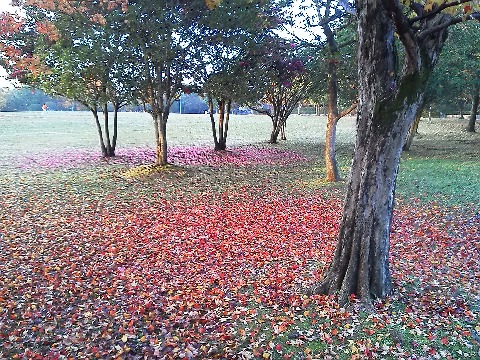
(388,103)
(474,111)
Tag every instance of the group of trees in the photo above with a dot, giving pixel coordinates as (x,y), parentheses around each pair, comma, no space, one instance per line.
(28,99)
(455,82)
(31,99)
(114,53)
(118,52)
(110,54)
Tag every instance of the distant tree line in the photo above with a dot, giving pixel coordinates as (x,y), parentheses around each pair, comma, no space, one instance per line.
(31,99)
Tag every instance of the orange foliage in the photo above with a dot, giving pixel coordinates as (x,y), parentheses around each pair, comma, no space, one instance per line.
(70,7)
(9,24)
(47,28)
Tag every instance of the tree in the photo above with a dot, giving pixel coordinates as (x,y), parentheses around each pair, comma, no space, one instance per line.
(454,79)
(230,32)
(459,66)
(336,39)
(163,36)
(223,86)
(389,99)
(335,78)
(474,111)
(281,81)
(73,50)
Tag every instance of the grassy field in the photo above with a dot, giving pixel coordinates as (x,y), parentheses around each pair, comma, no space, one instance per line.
(205,260)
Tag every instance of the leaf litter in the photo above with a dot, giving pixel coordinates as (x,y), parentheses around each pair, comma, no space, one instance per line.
(208,265)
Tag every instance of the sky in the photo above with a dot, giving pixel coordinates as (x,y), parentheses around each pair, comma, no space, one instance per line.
(5,5)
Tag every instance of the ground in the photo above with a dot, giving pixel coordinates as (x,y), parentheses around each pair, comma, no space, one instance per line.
(100,260)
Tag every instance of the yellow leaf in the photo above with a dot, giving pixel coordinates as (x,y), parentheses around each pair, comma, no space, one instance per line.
(428,7)
(124,338)
(212,4)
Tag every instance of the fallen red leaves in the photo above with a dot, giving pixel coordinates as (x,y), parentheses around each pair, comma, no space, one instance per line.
(132,273)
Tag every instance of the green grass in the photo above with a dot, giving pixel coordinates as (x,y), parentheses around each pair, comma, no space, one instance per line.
(445,181)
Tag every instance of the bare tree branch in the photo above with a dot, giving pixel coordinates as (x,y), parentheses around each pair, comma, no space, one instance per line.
(442,26)
(347,111)
(436,10)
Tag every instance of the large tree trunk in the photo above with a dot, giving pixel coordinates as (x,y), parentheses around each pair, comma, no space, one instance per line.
(388,103)
(473,113)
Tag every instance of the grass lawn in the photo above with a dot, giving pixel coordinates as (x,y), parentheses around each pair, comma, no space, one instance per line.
(204,261)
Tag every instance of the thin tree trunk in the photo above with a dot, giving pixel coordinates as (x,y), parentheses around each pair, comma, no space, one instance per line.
(283,136)
(212,121)
(412,131)
(221,119)
(332,118)
(106,126)
(473,113)
(276,129)
(462,105)
(160,138)
(163,141)
(99,132)
(225,125)
(115,127)
(331,164)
